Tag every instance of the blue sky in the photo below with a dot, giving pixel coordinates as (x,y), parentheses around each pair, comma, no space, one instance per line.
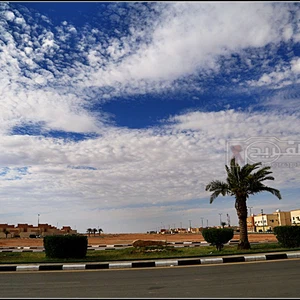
(117,114)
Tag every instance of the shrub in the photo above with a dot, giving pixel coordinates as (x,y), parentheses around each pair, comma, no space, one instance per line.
(217,236)
(65,246)
(142,243)
(288,236)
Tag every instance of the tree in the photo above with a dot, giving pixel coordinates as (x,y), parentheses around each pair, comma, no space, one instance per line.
(89,231)
(94,230)
(100,230)
(6,232)
(241,183)
(223,224)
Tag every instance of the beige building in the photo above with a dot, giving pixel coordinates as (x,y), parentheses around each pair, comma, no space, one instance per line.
(295,217)
(250,224)
(265,222)
(284,217)
(25,230)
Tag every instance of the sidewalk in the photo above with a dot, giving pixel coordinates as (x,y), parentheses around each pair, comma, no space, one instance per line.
(152,263)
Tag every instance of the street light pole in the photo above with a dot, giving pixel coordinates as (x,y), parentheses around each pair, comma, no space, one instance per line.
(263,221)
(220,219)
(250,209)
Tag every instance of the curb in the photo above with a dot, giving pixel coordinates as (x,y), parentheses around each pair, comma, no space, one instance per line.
(100,247)
(150,263)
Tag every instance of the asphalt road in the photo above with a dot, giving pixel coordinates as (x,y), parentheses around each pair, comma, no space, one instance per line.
(270,279)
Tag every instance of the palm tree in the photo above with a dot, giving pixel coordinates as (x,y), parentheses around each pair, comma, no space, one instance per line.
(240,183)
(94,230)
(89,231)
(100,230)
(6,232)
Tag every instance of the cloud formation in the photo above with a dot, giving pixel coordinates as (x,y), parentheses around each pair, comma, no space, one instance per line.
(54,75)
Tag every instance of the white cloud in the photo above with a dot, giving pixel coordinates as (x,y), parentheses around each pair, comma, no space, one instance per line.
(194,40)
(45,81)
(9,15)
(283,75)
(137,167)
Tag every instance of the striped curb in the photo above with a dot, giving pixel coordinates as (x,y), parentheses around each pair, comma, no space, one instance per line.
(117,246)
(96,247)
(150,263)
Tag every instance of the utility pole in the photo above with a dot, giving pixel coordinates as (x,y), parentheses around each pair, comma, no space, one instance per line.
(263,221)
(206,222)
(202,222)
(228,220)
(190,224)
(220,219)
(250,209)
(38,220)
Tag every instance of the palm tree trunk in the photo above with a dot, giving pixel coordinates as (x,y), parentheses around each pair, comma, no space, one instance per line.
(241,209)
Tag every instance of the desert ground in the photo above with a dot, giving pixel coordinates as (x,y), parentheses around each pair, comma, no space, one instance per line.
(128,238)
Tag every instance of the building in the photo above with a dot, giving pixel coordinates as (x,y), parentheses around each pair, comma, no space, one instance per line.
(295,217)
(284,217)
(250,224)
(25,230)
(265,222)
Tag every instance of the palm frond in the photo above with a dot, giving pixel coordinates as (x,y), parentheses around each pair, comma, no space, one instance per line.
(273,191)
(248,169)
(217,187)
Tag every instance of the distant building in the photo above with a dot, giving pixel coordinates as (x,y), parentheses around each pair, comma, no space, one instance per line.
(25,230)
(295,217)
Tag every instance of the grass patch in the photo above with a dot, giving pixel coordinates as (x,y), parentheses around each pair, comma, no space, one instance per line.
(132,253)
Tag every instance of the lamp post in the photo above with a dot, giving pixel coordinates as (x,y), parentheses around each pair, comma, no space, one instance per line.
(263,221)
(250,209)
(220,219)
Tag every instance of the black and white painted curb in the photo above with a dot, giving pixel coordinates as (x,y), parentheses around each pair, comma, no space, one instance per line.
(150,263)
(99,247)
(113,247)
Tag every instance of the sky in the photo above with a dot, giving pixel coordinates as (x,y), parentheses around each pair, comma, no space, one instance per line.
(116,115)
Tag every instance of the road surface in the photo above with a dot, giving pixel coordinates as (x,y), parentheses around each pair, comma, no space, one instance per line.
(270,279)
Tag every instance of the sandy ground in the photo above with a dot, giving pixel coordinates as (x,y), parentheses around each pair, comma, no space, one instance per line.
(124,238)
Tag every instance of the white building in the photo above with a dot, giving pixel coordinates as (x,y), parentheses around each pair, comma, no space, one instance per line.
(295,217)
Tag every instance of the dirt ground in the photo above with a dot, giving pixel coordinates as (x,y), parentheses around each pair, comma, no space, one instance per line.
(128,238)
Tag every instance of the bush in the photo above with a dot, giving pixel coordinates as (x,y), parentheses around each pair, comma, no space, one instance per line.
(65,246)
(143,243)
(288,236)
(217,236)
